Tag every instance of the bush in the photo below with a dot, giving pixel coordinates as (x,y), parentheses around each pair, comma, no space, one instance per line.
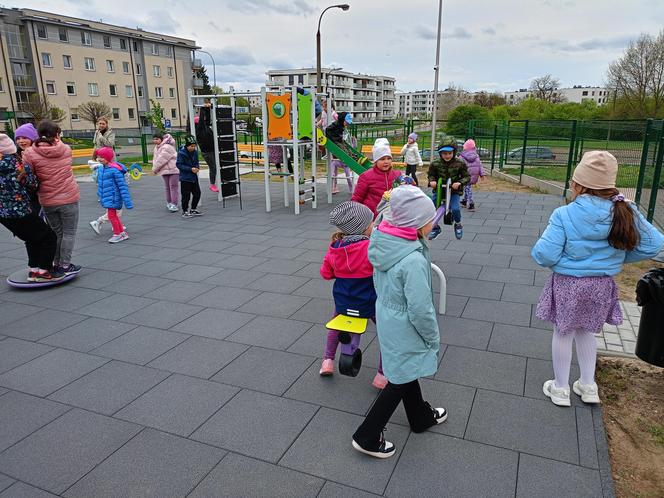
(457,121)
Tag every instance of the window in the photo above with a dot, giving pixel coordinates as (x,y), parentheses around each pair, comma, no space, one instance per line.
(129,91)
(86,38)
(41,31)
(125,67)
(116,113)
(93,90)
(71,88)
(110,66)
(169,50)
(123,44)
(593,93)
(73,114)
(171,93)
(584,93)
(158,92)
(155,49)
(138,70)
(113,90)
(50,87)
(89,64)
(62,35)
(107,41)
(169,71)
(46,59)
(2,87)
(156,71)
(66,61)
(135,45)
(174,113)
(139,91)
(131,114)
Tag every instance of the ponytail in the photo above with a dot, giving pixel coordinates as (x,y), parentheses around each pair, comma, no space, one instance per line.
(337,236)
(48,132)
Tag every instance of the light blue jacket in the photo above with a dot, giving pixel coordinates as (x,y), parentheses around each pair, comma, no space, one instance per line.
(575,242)
(405,312)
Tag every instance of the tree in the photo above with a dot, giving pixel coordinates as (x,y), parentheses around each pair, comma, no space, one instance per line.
(41,109)
(638,76)
(156,115)
(457,120)
(202,74)
(93,111)
(544,88)
(453,96)
(488,100)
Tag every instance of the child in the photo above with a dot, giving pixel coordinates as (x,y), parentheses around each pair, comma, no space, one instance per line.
(411,156)
(164,164)
(113,191)
(475,169)
(187,163)
(448,166)
(205,138)
(96,225)
(405,318)
(347,262)
(585,244)
(373,183)
(335,132)
(25,135)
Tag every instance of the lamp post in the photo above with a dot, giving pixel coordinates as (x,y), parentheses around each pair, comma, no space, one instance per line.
(436,69)
(214,66)
(344,7)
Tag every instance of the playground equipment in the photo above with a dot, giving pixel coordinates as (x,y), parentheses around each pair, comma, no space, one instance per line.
(135,171)
(19,279)
(447,217)
(350,329)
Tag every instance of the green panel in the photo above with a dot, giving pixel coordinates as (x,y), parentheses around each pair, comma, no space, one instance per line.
(346,159)
(305,127)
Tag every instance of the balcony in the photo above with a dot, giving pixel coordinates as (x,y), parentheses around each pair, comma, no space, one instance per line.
(198,83)
(197,64)
(24,82)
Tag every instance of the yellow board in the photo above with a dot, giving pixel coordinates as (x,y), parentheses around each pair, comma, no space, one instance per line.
(351,324)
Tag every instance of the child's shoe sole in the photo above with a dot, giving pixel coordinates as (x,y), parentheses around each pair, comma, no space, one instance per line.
(376,454)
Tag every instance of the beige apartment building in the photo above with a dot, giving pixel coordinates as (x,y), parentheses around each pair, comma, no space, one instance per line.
(72,61)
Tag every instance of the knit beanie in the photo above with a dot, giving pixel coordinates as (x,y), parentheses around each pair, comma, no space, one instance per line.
(469,144)
(597,170)
(409,207)
(190,140)
(413,136)
(7,146)
(381,151)
(28,131)
(352,218)
(106,153)
(381,141)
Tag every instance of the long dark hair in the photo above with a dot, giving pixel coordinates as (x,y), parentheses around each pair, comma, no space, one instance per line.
(624,233)
(48,132)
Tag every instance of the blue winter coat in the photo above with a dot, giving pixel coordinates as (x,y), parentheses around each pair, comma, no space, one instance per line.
(112,188)
(575,242)
(405,311)
(185,161)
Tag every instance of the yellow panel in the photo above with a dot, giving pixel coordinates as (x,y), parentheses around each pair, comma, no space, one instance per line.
(350,324)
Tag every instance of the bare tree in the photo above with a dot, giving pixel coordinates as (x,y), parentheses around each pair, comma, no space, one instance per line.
(92,111)
(489,100)
(450,98)
(546,88)
(638,75)
(41,109)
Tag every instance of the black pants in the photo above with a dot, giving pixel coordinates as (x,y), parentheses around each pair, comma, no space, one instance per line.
(190,189)
(419,413)
(40,240)
(411,169)
(212,167)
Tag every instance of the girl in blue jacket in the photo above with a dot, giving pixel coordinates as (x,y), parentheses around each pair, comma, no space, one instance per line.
(187,163)
(113,192)
(585,244)
(405,318)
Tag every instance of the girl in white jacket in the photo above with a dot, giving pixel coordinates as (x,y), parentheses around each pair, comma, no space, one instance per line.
(163,163)
(411,156)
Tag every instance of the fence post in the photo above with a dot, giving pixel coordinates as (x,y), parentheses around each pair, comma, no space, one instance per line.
(570,158)
(523,150)
(504,143)
(144,148)
(470,128)
(644,162)
(656,178)
(493,145)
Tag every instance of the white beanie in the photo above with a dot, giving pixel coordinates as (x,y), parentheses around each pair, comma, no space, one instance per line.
(409,207)
(381,151)
(381,141)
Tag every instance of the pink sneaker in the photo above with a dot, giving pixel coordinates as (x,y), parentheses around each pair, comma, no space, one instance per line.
(379,381)
(327,367)
(214,188)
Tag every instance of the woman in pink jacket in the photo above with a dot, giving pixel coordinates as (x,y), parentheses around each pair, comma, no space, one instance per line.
(373,183)
(50,160)
(163,163)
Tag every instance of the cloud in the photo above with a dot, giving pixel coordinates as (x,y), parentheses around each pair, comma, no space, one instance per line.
(489,31)
(586,45)
(218,28)
(428,33)
(158,21)
(294,7)
(232,56)
(425,32)
(458,32)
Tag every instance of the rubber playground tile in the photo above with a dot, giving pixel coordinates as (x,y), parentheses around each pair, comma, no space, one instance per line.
(276,305)
(213,323)
(334,490)
(140,346)
(15,352)
(162,314)
(233,277)
(507,275)
(181,292)
(315,311)
(464,332)
(155,268)
(537,323)
(523,341)
(23,490)
(11,311)
(283,284)
(115,306)
(241,262)
(542,478)
(474,288)
(136,285)
(539,371)
(274,333)
(192,273)
(517,293)
(42,324)
(5,482)
(497,311)
(311,343)
(88,334)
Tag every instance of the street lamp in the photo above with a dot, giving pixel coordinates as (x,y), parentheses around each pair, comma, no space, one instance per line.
(214,66)
(344,7)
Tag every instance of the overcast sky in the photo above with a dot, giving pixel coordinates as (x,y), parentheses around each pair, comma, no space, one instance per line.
(486,45)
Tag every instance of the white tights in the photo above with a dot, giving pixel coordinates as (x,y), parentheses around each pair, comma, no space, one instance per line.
(561,353)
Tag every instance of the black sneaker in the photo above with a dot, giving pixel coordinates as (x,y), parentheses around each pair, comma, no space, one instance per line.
(464,202)
(385,448)
(187,214)
(471,206)
(458,231)
(435,232)
(439,414)
(195,212)
(70,269)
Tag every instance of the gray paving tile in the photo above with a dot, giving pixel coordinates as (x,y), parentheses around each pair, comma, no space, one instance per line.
(234,277)
(21,415)
(517,293)
(140,346)
(110,387)
(499,260)
(474,288)
(464,332)
(283,284)
(115,306)
(498,238)
(320,451)
(15,352)
(497,311)
(334,490)
(236,476)
(541,277)
(461,270)
(50,372)
(539,477)
(193,273)
(246,249)
(264,370)
(537,323)
(23,490)
(155,268)
(498,372)
(524,424)
(181,292)
(38,459)
(226,298)
(311,343)
(199,357)
(443,258)
(524,263)
(315,311)
(587,443)
(5,482)
(240,262)
(507,275)
(312,270)
(274,333)
(136,285)
(42,324)
(10,311)
(216,324)
(510,250)
(523,341)
(168,254)
(153,464)
(257,425)
(437,465)
(162,314)
(178,405)
(276,305)
(88,334)
(539,371)
(281,266)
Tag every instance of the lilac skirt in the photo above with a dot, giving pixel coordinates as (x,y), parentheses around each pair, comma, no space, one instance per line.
(579,303)
(275,154)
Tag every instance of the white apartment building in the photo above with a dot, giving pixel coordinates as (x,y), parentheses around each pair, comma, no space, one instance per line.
(412,104)
(370,98)
(576,94)
(71,61)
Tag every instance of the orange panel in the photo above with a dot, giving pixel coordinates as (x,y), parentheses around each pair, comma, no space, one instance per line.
(278,118)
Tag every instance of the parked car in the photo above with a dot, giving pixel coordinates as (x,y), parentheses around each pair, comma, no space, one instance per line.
(532,152)
(484,153)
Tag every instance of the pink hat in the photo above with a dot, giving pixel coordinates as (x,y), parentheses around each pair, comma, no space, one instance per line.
(7,146)
(469,144)
(106,153)
(196,119)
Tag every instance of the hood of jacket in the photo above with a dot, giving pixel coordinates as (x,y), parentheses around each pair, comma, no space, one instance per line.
(349,260)
(118,166)
(470,155)
(387,250)
(167,139)
(56,150)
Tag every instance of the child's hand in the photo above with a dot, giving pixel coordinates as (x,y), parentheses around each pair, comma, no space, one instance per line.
(456,185)
(195,170)
(433,184)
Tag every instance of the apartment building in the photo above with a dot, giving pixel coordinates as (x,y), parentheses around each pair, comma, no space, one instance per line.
(71,61)
(415,104)
(370,98)
(576,94)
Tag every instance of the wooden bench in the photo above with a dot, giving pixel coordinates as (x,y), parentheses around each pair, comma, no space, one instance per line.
(82,152)
(395,149)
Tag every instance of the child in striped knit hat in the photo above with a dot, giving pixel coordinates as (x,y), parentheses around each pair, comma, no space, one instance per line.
(348,263)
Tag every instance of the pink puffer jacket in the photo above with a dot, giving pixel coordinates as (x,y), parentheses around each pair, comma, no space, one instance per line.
(164,157)
(372,184)
(52,166)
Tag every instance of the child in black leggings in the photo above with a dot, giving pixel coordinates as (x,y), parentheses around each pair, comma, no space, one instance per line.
(187,163)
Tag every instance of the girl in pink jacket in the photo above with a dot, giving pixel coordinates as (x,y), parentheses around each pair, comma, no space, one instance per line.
(373,183)
(163,163)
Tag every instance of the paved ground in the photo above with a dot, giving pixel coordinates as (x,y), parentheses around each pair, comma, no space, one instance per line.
(184,362)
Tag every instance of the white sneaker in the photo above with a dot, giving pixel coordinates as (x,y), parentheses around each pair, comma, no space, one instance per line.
(559,395)
(589,393)
(118,238)
(173,208)
(95,226)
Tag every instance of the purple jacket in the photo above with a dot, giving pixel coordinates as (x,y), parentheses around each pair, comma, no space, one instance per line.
(474,165)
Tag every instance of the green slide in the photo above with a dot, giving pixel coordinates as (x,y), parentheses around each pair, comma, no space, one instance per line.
(358,167)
